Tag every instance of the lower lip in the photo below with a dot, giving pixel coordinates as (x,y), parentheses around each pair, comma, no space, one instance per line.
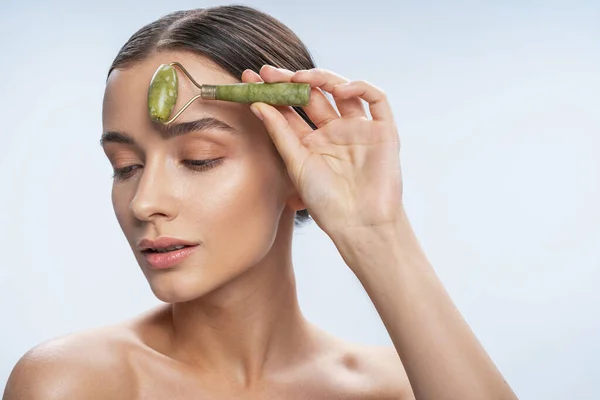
(169,259)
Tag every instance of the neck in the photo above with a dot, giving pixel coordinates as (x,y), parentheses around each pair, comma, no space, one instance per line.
(248,327)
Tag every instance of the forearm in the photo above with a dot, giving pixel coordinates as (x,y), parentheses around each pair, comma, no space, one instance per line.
(442,357)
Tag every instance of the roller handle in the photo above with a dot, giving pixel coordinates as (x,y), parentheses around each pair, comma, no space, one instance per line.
(276,94)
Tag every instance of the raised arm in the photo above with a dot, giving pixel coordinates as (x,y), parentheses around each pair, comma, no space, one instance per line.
(442,357)
(347,173)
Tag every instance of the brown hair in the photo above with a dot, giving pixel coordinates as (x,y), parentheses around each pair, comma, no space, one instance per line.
(235,37)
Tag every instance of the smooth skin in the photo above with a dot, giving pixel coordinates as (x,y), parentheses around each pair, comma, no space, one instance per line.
(231,327)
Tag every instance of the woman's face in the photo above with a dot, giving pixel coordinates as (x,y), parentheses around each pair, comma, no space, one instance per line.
(216,182)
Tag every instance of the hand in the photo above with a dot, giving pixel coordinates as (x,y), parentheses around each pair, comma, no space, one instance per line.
(347,172)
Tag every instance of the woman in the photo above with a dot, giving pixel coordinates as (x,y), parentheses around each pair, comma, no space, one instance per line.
(208,206)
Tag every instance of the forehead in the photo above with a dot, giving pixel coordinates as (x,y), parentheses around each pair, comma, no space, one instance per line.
(125,96)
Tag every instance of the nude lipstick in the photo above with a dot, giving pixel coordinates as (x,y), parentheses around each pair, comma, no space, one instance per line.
(166,252)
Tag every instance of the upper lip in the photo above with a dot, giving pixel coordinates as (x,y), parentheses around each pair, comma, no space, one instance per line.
(163,243)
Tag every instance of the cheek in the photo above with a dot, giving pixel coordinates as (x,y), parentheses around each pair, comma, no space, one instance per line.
(245,191)
(121,199)
(240,213)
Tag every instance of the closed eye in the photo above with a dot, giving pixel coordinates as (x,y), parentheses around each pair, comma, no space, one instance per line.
(196,165)
(203,165)
(124,172)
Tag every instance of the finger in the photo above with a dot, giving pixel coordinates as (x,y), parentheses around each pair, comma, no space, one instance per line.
(249,76)
(297,123)
(378,103)
(327,80)
(319,110)
(272,74)
(286,141)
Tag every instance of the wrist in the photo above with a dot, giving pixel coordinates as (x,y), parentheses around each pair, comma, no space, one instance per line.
(374,246)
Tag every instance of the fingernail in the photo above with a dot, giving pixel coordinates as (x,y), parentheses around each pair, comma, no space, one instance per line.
(256,112)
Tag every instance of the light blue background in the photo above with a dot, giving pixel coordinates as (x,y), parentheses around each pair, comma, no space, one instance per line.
(498,106)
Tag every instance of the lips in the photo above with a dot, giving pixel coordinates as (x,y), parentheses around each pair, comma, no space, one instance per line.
(163,243)
(166,252)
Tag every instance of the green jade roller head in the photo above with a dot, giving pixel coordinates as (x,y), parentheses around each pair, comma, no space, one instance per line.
(163,91)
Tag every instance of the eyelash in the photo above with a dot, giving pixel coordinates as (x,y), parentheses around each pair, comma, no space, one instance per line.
(195,165)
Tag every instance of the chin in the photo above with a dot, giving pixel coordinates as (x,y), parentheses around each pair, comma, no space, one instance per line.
(177,287)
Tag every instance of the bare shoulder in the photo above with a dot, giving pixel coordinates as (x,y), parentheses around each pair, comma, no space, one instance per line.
(363,371)
(382,365)
(88,365)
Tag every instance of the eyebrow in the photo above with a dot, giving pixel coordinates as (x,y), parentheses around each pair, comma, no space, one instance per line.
(170,131)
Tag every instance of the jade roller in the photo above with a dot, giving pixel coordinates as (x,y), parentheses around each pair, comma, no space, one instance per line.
(163,90)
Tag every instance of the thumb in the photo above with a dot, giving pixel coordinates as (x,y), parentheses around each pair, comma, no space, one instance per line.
(286,141)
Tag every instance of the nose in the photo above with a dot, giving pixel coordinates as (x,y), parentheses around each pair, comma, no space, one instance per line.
(155,198)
